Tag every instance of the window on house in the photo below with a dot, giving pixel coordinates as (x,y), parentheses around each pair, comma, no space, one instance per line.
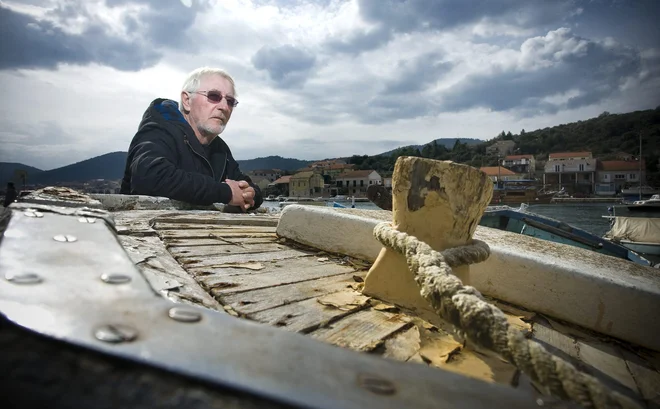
(557,168)
(354,184)
(361,183)
(619,177)
(581,167)
(633,176)
(371,182)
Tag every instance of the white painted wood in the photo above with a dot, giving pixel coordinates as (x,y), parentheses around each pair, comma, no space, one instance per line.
(606,294)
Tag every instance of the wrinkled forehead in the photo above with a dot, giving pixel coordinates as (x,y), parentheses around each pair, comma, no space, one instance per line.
(217,83)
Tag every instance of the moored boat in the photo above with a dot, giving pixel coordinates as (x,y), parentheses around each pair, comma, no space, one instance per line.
(640,234)
(521,221)
(649,205)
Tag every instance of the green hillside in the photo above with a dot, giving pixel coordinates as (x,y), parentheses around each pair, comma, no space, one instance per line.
(109,166)
(273,162)
(7,170)
(605,136)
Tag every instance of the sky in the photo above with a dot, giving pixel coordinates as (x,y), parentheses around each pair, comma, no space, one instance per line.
(319,79)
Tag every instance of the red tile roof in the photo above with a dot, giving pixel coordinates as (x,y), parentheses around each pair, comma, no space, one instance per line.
(283,179)
(613,165)
(493,171)
(355,174)
(566,155)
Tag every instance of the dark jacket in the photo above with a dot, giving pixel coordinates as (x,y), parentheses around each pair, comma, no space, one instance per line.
(166,159)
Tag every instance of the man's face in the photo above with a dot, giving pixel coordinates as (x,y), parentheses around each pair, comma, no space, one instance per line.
(208,117)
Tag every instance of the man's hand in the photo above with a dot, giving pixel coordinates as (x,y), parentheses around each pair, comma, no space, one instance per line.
(242,194)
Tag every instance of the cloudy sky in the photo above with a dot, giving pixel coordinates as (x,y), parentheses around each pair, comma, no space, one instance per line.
(319,78)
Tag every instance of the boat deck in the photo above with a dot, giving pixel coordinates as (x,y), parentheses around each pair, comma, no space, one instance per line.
(237,264)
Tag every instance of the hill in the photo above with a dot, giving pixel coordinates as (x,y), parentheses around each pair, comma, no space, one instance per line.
(273,162)
(109,166)
(605,136)
(446,142)
(7,170)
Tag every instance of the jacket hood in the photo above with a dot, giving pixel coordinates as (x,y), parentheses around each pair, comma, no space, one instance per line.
(165,112)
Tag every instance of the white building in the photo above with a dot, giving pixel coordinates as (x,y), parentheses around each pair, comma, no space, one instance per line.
(573,171)
(356,182)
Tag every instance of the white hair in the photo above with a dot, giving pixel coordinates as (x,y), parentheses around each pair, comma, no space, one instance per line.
(194,79)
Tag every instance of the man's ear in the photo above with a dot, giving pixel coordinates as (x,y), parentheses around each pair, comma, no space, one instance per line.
(185,100)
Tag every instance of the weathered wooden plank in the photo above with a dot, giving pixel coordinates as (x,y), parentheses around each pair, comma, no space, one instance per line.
(163,272)
(222,285)
(300,265)
(608,360)
(558,343)
(224,249)
(362,331)
(161,226)
(307,315)
(258,300)
(403,346)
(220,260)
(214,241)
(220,218)
(646,377)
(211,233)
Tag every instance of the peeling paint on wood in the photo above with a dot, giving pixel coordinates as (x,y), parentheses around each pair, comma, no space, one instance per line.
(362,331)
(272,297)
(308,315)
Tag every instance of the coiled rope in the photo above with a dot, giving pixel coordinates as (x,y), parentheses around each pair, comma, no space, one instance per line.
(486,325)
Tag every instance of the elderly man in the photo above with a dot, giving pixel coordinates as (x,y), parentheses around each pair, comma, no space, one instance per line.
(177,153)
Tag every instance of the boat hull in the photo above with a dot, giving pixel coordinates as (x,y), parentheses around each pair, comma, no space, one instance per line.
(644,248)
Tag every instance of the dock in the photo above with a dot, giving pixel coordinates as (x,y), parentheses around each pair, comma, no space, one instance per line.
(585,200)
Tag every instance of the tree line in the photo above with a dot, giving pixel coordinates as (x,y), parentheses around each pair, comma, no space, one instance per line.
(605,136)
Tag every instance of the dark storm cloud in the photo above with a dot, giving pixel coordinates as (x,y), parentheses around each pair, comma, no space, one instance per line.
(416,75)
(396,16)
(31,43)
(557,63)
(287,66)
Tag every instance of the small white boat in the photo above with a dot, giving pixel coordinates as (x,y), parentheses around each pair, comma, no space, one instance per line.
(649,205)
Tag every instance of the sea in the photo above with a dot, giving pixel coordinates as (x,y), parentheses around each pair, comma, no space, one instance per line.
(585,216)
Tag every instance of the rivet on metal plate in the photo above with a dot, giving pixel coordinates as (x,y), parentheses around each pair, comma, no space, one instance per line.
(89,220)
(25,278)
(115,333)
(33,213)
(376,385)
(115,278)
(184,315)
(65,238)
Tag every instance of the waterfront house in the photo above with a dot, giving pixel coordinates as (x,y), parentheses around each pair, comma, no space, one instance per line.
(524,164)
(614,175)
(270,174)
(573,171)
(356,182)
(281,185)
(306,184)
(498,173)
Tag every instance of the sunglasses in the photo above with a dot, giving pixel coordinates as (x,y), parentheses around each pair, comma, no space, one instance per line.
(215,97)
